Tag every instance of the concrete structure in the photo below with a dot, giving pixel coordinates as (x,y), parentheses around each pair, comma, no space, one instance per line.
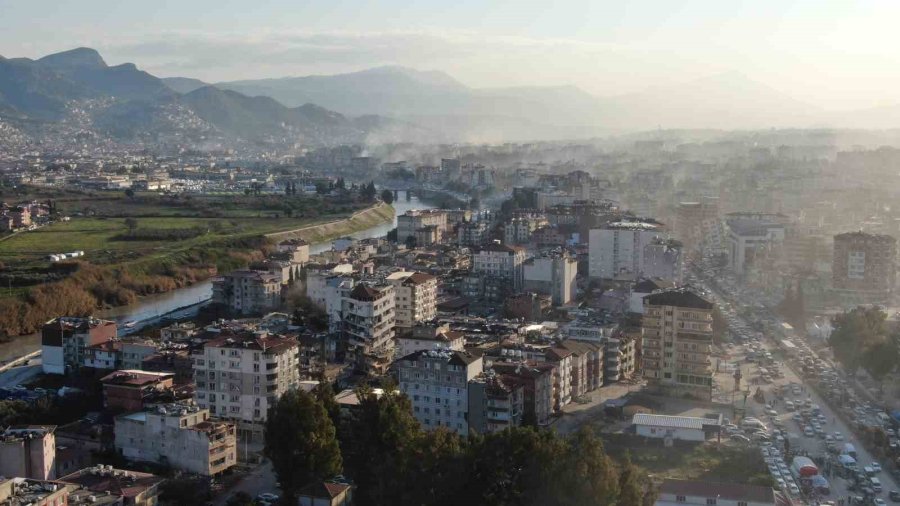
(436,381)
(561,359)
(28,451)
(415,296)
(248,292)
(536,379)
(864,269)
(429,337)
(552,274)
(518,230)
(472,233)
(130,390)
(297,249)
(131,487)
(616,251)
(502,261)
(677,341)
(494,403)
(180,435)
(643,288)
(620,354)
(239,376)
(694,221)
(749,236)
(64,340)
(22,492)
(411,221)
(588,365)
(701,493)
(681,428)
(663,259)
(367,320)
(325,494)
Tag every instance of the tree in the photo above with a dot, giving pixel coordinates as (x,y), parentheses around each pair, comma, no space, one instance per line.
(129,193)
(387,196)
(881,358)
(341,184)
(368,191)
(854,332)
(301,442)
(132,225)
(631,491)
(241,498)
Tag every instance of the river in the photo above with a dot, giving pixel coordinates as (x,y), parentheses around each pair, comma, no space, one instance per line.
(185,302)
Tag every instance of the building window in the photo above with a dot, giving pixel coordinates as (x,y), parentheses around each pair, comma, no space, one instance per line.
(680,498)
(710,502)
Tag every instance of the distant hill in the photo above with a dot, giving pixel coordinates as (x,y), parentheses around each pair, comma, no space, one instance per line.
(183,84)
(136,103)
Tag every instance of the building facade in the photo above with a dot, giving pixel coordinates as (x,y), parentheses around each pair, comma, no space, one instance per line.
(183,436)
(502,261)
(248,292)
(864,268)
(553,275)
(436,381)
(28,451)
(494,403)
(616,251)
(415,297)
(65,340)
(677,340)
(239,376)
(368,320)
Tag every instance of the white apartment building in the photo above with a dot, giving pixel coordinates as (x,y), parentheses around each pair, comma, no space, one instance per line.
(415,297)
(436,381)
(239,376)
(429,337)
(411,221)
(247,291)
(327,291)
(182,435)
(368,319)
(677,340)
(553,275)
(502,261)
(617,250)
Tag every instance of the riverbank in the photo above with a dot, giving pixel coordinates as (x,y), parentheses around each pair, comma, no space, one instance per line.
(115,287)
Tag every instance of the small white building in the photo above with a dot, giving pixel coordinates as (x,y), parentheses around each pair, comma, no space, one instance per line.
(686,493)
(682,428)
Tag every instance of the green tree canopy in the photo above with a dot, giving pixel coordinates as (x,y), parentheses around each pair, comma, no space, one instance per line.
(301,442)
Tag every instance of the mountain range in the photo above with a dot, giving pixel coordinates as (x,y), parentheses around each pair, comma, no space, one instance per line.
(390,104)
(125,102)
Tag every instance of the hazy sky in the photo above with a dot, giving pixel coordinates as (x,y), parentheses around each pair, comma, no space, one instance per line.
(834,54)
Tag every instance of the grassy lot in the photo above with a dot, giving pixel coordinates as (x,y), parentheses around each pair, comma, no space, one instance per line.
(99,237)
(708,462)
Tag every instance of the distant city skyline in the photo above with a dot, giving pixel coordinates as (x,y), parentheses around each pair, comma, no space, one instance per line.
(830,54)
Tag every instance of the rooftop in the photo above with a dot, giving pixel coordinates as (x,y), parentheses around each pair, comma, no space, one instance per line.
(675,422)
(679,297)
(134,377)
(115,481)
(728,491)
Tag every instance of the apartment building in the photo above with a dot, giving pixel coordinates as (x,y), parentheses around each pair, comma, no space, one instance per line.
(502,261)
(561,359)
(677,340)
(536,379)
(694,221)
(64,341)
(130,390)
(368,318)
(28,451)
(129,488)
(296,249)
(248,292)
(436,381)
(472,233)
(182,435)
(429,337)
(519,230)
(864,269)
(588,365)
(17,491)
(415,296)
(494,403)
(552,274)
(411,221)
(616,250)
(240,375)
(750,236)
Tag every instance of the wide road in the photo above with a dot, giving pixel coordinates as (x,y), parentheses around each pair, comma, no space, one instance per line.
(20,375)
(814,446)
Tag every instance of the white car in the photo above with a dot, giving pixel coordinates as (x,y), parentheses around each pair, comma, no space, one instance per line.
(876,467)
(795,490)
(838,436)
